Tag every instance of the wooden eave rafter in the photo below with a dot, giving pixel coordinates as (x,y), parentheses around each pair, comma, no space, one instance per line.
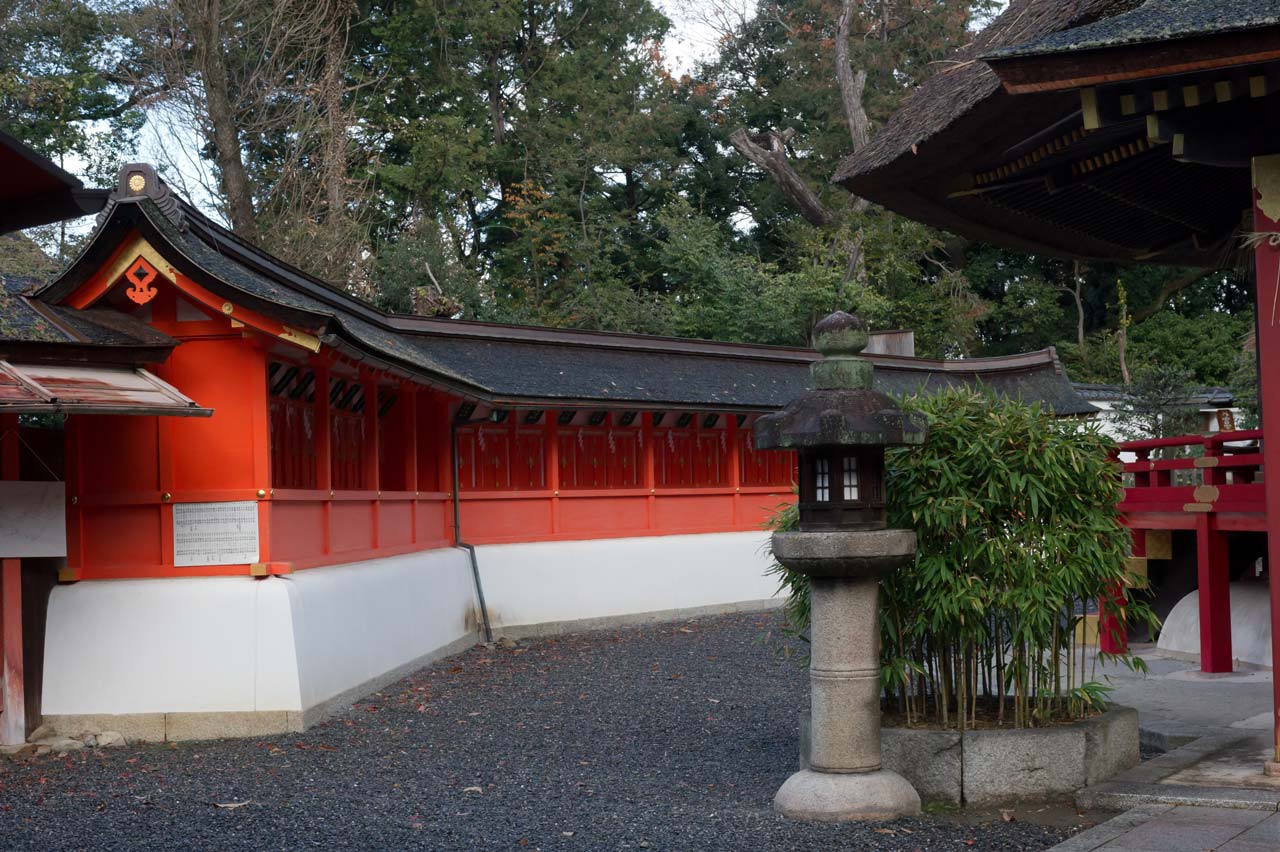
(1051,72)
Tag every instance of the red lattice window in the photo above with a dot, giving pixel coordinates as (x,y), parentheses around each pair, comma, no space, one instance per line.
(500,457)
(764,467)
(346,434)
(292,425)
(600,458)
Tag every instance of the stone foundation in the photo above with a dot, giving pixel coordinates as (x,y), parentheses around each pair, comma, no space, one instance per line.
(990,767)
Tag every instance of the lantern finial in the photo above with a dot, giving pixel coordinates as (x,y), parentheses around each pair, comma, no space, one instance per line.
(840,338)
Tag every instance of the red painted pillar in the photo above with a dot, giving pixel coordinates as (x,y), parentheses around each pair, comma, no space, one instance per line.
(1215,596)
(1112,632)
(13,719)
(1266,219)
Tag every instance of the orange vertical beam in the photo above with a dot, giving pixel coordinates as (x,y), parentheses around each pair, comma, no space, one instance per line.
(372,481)
(324,453)
(551,431)
(444,455)
(735,467)
(650,480)
(409,447)
(13,720)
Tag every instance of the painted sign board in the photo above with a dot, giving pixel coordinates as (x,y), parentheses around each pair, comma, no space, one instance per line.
(215,533)
(33,519)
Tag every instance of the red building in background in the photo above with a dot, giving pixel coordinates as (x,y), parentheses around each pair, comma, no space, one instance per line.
(367,491)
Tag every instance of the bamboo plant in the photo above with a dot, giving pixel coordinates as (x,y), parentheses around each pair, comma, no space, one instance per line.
(1015,512)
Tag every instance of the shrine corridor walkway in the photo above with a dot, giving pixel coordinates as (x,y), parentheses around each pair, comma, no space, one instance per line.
(670,737)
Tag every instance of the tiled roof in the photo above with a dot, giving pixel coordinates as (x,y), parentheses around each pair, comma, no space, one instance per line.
(520,364)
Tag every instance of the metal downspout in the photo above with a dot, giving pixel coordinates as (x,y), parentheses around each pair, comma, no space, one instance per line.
(457,532)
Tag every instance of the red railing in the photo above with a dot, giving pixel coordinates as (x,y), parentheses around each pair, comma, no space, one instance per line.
(1172,480)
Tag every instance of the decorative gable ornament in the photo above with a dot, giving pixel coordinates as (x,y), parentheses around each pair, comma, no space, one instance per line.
(140,276)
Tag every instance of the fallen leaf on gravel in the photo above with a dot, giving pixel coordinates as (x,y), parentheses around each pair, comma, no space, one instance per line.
(684,630)
(230,805)
(889,831)
(1007,816)
(714,700)
(566,834)
(472,790)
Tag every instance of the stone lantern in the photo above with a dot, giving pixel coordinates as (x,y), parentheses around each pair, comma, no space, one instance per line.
(840,429)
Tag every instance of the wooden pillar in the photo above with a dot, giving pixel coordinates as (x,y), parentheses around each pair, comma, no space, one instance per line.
(647,435)
(1112,630)
(408,404)
(1266,219)
(1214,594)
(443,417)
(735,466)
(371,479)
(13,713)
(323,436)
(551,478)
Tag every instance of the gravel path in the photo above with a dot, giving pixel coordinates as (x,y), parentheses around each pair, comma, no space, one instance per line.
(671,737)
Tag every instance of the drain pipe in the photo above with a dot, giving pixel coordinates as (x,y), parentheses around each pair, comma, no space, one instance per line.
(457,530)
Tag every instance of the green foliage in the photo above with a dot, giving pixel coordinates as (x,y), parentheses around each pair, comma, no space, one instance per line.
(1015,514)
(1206,346)
(1159,405)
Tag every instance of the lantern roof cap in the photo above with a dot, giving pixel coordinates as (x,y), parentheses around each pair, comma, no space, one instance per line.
(841,409)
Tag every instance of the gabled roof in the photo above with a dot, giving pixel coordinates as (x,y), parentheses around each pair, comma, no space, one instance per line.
(506,364)
(35,191)
(34,330)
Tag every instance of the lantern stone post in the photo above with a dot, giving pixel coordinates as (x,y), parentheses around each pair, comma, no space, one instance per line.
(840,429)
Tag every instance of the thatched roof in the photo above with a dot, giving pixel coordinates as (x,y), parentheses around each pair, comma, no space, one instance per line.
(964,81)
(1154,21)
(968,155)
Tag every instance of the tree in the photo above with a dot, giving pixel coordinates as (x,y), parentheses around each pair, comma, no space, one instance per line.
(265,82)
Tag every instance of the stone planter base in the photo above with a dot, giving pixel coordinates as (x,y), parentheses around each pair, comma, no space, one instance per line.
(991,767)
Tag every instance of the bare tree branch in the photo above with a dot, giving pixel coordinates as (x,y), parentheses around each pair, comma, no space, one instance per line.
(769,152)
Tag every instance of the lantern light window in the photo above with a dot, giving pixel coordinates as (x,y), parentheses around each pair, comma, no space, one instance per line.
(565,418)
(627,418)
(597,417)
(850,478)
(821,480)
(465,410)
(684,420)
(532,417)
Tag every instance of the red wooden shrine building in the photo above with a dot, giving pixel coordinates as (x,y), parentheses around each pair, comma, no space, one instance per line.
(1142,132)
(291,541)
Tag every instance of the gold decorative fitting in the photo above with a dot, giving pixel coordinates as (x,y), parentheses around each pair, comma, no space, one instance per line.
(555,493)
(166,497)
(301,338)
(137,182)
(75,500)
(261,493)
(331,492)
(227,308)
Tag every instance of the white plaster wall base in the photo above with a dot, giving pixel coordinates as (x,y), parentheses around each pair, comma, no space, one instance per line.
(203,657)
(1250,624)
(579,584)
(190,658)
